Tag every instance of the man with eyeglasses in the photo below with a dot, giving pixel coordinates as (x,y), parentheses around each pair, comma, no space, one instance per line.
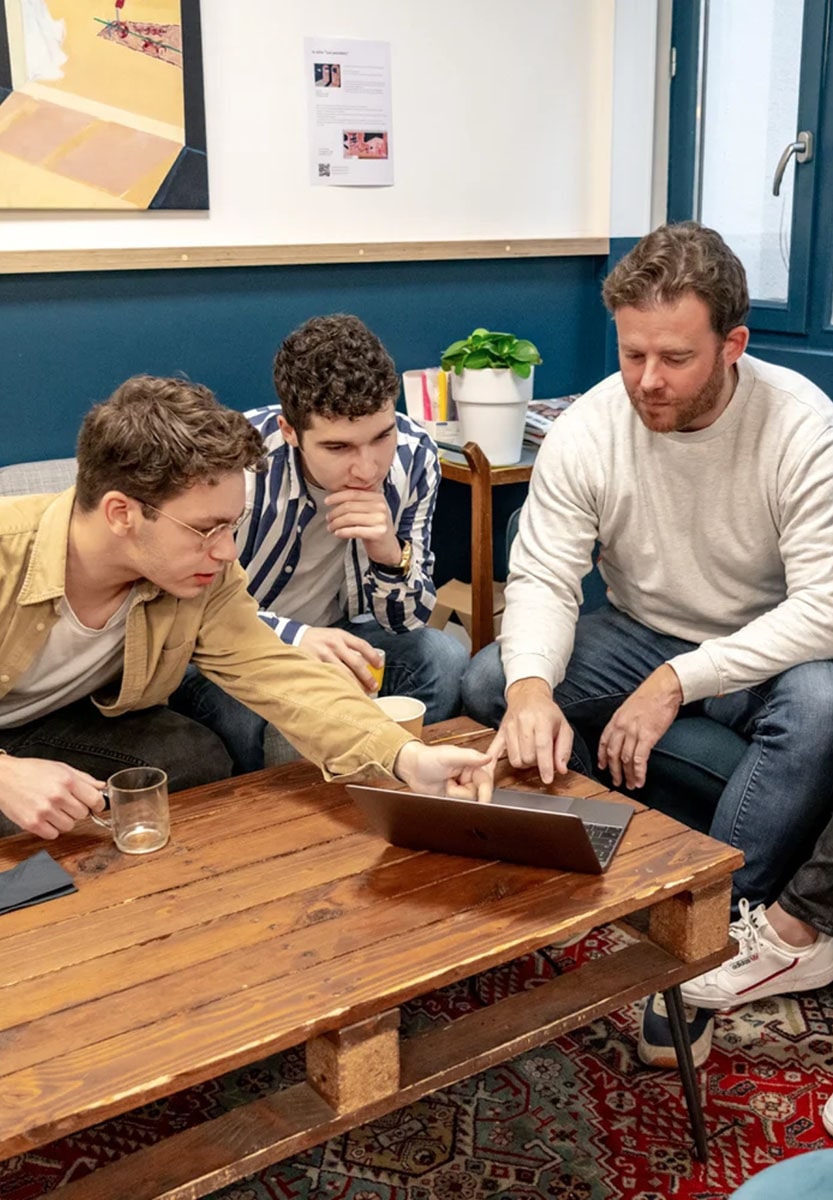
(110,589)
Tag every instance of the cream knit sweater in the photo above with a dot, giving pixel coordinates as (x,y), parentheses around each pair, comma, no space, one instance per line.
(723,536)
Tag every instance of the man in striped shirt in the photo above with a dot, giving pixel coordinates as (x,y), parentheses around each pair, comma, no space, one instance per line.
(337,544)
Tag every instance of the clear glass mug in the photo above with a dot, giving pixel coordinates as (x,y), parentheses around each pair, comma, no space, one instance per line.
(140,820)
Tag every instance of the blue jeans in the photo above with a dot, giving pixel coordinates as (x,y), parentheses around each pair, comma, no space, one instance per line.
(777,800)
(425,663)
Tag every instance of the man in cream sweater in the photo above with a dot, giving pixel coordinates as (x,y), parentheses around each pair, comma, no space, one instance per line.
(707,477)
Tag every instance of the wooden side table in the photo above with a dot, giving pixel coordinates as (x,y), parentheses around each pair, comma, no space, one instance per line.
(478,474)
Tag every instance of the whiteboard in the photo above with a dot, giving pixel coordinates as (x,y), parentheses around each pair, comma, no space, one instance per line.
(501,129)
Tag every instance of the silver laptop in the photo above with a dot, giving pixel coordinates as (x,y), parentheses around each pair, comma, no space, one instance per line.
(567,832)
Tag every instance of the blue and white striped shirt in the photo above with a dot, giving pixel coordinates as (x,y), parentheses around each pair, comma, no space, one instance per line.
(269,542)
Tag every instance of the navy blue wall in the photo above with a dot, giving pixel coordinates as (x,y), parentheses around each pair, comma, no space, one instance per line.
(66,341)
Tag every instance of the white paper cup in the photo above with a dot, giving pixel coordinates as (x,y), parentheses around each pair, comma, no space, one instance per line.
(406,711)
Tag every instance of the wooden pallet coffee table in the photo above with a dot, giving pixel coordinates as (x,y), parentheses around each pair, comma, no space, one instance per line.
(275,918)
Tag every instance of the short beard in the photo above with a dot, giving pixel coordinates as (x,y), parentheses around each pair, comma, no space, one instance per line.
(698,406)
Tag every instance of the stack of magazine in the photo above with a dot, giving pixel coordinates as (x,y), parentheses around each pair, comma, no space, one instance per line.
(540,415)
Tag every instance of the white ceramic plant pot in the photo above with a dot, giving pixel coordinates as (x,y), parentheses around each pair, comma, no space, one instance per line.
(491,404)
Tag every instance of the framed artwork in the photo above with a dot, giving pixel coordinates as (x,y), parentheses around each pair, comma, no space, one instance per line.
(101,105)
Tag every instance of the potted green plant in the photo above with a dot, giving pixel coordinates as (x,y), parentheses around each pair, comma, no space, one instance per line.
(491,384)
(497,351)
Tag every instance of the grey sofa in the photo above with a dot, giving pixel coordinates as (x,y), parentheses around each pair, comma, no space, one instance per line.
(56,474)
(51,475)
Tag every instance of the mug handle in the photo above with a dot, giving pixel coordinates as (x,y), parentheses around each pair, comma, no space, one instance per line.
(102,821)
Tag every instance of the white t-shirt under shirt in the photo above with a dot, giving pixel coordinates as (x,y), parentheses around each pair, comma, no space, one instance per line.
(312,594)
(723,536)
(75,662)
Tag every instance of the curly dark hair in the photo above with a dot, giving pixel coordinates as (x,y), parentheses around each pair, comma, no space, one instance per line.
(156,437)
(679,258)
(333,367)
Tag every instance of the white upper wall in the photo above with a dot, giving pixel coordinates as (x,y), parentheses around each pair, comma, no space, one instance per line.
(502,128)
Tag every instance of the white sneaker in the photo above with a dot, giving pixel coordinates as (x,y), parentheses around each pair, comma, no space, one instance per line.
(763,966)
(827,1116)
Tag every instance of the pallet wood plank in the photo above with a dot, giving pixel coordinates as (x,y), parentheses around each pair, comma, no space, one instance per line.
(120,878)
(52,947)
(54,1016)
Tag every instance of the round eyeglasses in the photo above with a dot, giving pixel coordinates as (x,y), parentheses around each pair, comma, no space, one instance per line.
(212,536)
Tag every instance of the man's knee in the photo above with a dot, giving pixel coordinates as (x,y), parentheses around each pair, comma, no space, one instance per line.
(452,658)
(810,685)
(429,664)
(440,651)
(190,753)
(801,701)
(483,687)
(239,728)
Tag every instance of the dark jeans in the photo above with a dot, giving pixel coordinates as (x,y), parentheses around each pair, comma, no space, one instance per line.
(778,798)
(158,737)
(809,894)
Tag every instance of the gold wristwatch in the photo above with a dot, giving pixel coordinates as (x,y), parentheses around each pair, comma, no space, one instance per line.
(404,564)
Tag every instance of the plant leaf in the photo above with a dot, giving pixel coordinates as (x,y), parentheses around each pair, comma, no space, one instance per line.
(478,359)
(522,368)
(524,351)
(488,348)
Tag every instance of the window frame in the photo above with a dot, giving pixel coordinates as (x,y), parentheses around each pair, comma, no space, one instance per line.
(810,290)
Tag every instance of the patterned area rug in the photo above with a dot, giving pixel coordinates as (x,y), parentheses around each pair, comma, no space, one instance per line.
(579,1119)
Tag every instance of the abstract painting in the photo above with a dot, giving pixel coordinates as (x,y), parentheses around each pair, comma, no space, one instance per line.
(101,105)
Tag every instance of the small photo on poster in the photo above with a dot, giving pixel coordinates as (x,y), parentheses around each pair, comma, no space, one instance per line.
(359,144)
(327,75)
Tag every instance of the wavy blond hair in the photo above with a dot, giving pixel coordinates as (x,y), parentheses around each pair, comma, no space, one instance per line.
(676,259)
(156,437)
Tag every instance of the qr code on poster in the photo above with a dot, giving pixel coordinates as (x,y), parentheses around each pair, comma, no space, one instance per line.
(323,169)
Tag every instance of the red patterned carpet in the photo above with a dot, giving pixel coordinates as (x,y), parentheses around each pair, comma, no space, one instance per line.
(579,1119)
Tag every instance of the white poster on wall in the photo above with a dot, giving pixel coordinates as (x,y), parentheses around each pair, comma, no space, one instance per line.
(349,102)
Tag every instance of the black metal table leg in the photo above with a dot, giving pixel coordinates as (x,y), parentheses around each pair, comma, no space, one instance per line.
(682,1045)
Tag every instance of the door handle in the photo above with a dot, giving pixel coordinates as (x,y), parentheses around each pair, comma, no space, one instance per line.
(802,148)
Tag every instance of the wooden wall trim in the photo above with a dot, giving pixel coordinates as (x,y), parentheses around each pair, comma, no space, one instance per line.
(25,262)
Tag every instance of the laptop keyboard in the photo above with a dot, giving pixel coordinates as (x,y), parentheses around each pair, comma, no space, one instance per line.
(603,839)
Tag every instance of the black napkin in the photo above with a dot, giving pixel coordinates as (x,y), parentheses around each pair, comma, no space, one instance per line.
(33,881)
